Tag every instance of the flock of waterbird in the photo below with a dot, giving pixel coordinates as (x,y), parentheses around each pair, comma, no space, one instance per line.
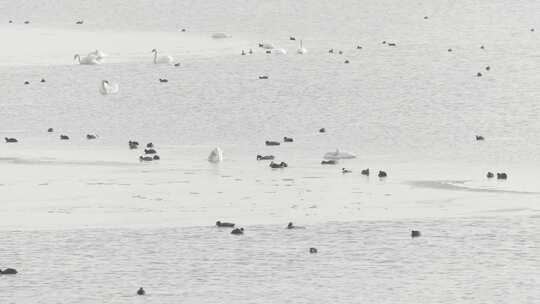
(150,154)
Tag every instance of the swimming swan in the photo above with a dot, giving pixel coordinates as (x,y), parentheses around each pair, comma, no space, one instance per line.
(98,54)
(107,88)
(165,59)
(89,60)
(301,50)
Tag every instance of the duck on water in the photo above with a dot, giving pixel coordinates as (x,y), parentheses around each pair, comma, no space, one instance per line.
(224,224)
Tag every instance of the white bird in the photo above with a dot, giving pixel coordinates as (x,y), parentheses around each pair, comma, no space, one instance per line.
(98,54)
(216,156)
(91,60)
(107,88)
(165,59)
(301,50)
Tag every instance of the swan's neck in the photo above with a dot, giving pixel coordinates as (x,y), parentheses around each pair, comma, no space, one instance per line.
(300,43)
(78,58)
(155,57)
(103,84)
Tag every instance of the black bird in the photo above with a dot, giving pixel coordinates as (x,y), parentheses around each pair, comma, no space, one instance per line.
(322,130)
(312,250)
(415,233)
(11,140)
(79,22)
(149,151)
(237,231)
(272,143)
(149,145)
(224,224)
(365,172)
(42,80)
(263,77)
(490,175)
(156,157)
(329,162)
(146,158)
(502,176)
(274,165)
(141,292)
(9,271)
(133,144)
(265,157)
(163,80)
(91,136)
(287,139)
(479,137)
(64,137)
(382,174)
(50,130)
(343,170)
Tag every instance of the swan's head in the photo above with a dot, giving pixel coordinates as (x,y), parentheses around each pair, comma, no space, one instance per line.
(76,56)
(154,51)
(105,81)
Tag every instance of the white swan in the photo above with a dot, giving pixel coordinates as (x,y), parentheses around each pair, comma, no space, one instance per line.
(301,50)
(216,156)
(338,155)
(107,88)
(98,54)
(165,59)
(91,60)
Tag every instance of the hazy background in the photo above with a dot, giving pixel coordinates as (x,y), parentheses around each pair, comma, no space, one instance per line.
(85,221)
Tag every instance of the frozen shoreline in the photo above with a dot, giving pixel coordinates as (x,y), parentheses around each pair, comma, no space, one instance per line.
(105,187)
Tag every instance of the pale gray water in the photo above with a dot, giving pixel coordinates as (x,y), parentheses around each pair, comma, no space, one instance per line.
(103,223)
(488,260)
